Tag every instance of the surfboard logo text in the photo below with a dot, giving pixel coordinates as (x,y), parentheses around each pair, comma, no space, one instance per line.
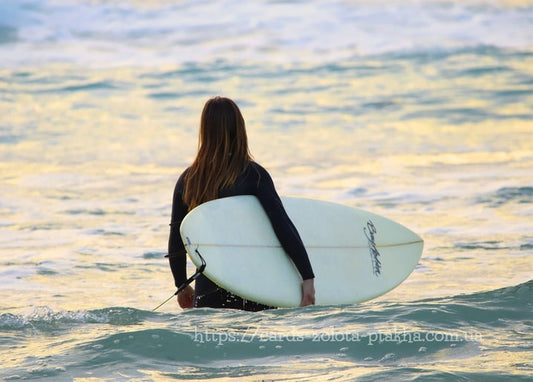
(370,231)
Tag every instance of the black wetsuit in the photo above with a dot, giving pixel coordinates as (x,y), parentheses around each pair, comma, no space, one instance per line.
(255,180)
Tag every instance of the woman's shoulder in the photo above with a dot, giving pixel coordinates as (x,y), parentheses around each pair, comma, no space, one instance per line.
(259,175)
(256,166)
(258,170)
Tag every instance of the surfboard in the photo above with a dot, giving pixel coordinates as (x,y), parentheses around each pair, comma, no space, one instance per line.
(356,255)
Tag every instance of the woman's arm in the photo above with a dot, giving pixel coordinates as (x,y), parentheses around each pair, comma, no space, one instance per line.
(281,223)
(177,255)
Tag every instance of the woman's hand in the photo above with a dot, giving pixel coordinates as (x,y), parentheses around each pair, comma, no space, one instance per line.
(186,297)
(308,292)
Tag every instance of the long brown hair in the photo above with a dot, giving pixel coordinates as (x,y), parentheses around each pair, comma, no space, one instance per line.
(223,152)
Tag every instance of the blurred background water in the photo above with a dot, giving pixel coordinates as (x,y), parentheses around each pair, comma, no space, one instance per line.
(420,111)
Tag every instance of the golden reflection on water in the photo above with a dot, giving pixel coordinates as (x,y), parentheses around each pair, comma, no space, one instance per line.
(96,153)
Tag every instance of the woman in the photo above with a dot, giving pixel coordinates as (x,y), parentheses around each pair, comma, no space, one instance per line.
(223,167)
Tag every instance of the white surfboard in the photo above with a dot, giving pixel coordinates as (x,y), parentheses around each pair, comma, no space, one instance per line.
(355,255)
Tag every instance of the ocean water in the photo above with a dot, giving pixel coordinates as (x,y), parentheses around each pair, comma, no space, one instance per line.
(420,111)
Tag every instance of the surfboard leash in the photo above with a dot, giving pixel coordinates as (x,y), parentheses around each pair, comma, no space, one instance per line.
(197,274)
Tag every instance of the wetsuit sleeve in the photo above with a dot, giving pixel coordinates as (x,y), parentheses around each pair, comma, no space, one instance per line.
(281,223)
(177,255)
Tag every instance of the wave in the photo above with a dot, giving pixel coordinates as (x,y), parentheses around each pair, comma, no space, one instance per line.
(45,319)
(489,307)
(203,345)
(420,374)
(482,309)
(378,334)
(504,195)
(382,337)
(126,31)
